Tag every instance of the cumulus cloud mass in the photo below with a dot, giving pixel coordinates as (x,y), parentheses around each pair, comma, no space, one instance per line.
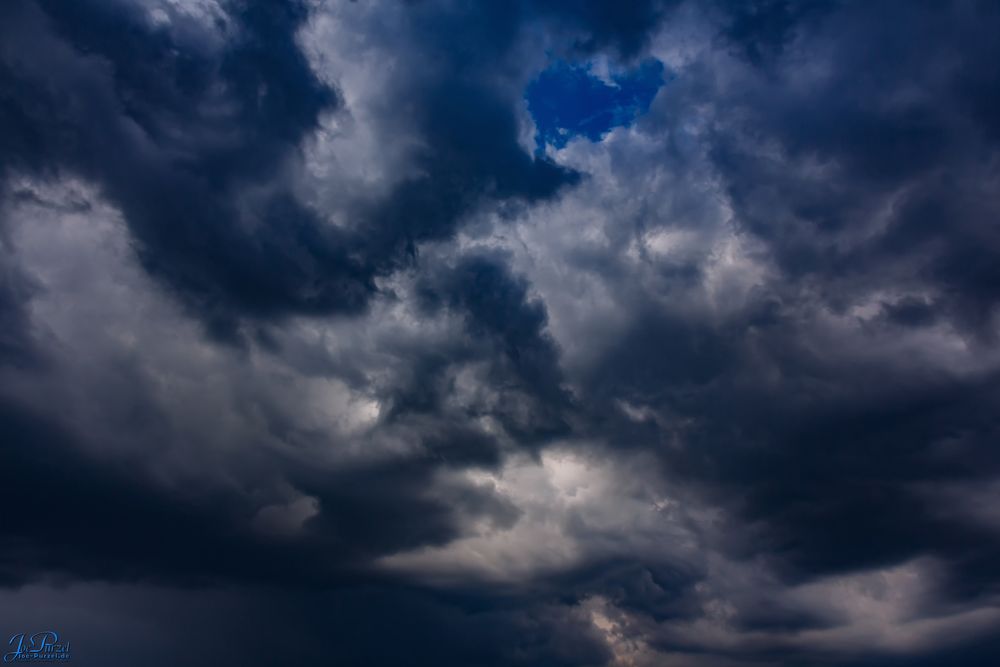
(536,332)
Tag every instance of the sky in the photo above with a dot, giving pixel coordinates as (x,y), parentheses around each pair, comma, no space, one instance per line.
(481,334)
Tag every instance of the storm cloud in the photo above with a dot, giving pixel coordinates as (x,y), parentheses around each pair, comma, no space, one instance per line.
(520,333)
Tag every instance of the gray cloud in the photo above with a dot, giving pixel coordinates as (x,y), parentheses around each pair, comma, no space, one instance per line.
(306,349)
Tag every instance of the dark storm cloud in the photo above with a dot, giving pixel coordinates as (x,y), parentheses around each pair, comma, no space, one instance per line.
(759,29)
(161,626)
(893,116)
(625,28)
(68,513)
(497,309)
(77,517)
(187,140)
(106,96)
(830,460)
(889,118)
(716,386)
(185,137)
(15,341)
(831,464)
(827,462)
(473,153)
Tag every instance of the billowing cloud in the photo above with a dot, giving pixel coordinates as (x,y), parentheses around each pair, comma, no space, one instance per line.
(527,333)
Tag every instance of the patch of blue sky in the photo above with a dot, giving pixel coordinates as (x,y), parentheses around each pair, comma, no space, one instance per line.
(569,100)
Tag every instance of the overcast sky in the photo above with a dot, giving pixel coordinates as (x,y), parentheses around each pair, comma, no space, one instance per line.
(626,333)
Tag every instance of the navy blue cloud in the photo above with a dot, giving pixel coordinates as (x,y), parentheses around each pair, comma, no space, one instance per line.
(819,459)
(140,121)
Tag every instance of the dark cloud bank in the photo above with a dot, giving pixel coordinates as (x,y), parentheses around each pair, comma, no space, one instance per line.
(317,347)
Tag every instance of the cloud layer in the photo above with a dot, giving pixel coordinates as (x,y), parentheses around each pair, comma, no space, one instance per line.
(323,341)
